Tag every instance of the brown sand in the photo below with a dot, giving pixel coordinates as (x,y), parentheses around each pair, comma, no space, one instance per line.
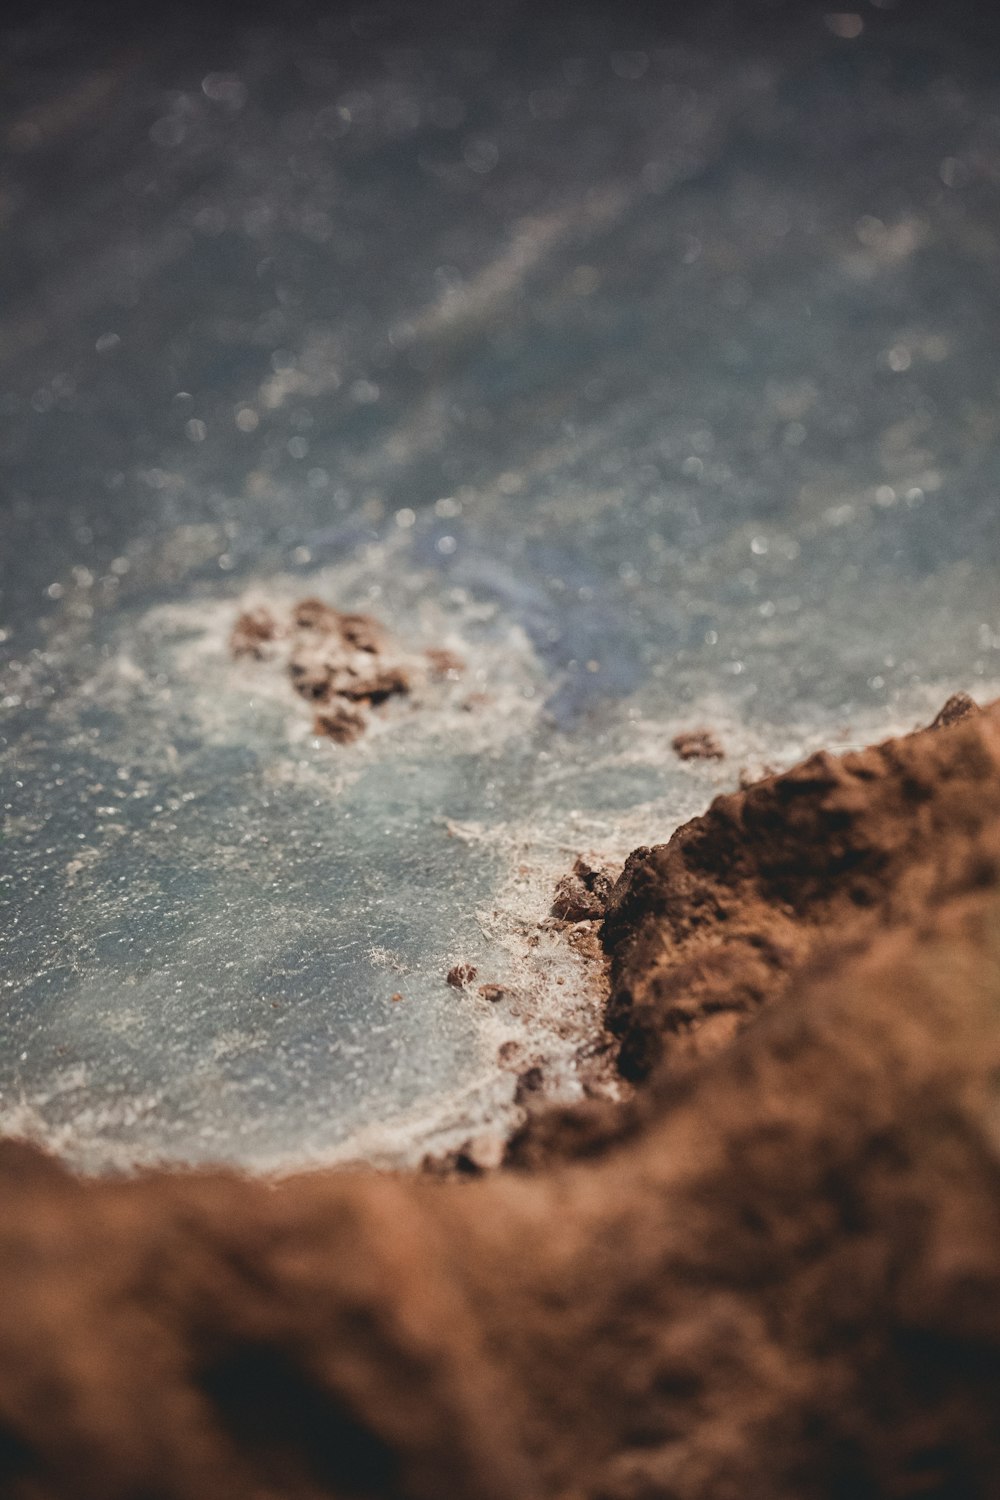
(782,1283)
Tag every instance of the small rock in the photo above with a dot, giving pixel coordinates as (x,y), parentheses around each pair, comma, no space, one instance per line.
(461,975)
(697,744)
(582,895)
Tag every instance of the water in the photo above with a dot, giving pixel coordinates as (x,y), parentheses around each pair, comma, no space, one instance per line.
(654,372)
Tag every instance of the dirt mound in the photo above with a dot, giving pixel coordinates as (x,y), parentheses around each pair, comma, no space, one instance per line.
(797,869)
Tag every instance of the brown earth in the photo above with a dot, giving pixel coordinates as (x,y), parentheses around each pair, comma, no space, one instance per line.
(783,1282)
(343,664)
(705,929)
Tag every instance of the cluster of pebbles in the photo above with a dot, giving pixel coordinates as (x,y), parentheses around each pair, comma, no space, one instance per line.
(345,665)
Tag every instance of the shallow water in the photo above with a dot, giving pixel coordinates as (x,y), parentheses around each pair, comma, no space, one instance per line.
(654,373)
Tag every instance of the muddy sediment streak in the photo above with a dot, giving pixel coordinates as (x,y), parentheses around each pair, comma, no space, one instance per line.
(781,1280)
